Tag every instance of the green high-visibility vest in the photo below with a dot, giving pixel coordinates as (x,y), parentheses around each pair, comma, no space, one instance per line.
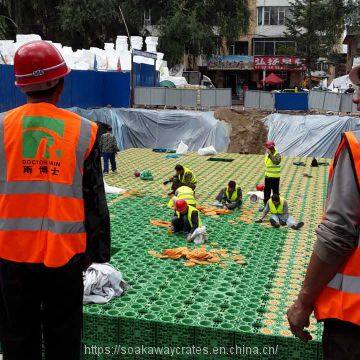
(234,195)
(276,210)
(272,170)
(186,193)
(190,211)
(186,172)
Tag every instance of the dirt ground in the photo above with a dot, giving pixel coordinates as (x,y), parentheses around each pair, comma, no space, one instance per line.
(248,133)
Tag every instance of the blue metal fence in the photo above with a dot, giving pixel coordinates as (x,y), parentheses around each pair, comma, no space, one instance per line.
(146,75)
(85,89)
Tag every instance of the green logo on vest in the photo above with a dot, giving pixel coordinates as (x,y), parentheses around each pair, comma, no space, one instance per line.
(42,137)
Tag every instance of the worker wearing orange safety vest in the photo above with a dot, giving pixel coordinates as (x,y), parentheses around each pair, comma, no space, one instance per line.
(50,229)
(332,284)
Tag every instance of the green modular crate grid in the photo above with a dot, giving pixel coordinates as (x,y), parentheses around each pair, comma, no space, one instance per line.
(172,305)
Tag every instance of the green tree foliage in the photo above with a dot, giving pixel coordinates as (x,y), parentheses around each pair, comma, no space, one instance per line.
(190,26)
(317,27)
(186,26)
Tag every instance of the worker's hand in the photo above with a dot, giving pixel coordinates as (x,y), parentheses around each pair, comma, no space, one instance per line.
(258,221)
(298,316)
(189,238)
(171,179)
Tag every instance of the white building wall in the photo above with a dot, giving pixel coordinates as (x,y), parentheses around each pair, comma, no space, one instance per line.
(271,30)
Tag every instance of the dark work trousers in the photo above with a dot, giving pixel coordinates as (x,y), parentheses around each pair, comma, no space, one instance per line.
(341,340)
(271,184)
(181,224)
(107,157)
(38,302)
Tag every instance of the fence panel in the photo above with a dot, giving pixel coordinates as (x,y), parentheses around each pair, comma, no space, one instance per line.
(207,98)
(188,98)
(346,103)
(316,99)
(142,96)
(157,96)
(172,97)
(332,102)
(267,100)
(223,97)
(252,99)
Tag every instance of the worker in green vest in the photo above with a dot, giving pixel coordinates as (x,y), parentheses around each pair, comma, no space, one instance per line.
(230,196)
(279,210)
(186,219)
(183,177)
(183,193)
(272,171)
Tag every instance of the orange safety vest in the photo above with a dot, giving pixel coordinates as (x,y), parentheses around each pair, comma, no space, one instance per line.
(42,152)
(340,299)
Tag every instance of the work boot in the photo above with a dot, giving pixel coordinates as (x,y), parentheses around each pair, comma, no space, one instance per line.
(282,223)
(274,223)
(298,226)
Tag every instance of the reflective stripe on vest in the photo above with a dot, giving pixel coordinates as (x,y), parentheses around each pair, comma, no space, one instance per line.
(191,209)
(42,152)
(272,170)
(276,210)
(340,299)
(186,193)
(187,171)
(234,195)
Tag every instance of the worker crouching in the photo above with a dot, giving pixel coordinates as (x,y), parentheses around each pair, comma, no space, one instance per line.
(279,210)
(187,220)
(231,196)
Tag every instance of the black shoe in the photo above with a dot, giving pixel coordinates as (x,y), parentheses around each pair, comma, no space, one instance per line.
(282,223)
(298,226)
(274,223)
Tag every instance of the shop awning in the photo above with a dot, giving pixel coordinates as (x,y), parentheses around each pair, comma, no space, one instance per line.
(273,79)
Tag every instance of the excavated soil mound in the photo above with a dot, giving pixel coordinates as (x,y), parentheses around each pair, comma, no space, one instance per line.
(248,133)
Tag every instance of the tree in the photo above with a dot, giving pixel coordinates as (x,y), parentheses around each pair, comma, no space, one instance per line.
(190,26)
(317,27)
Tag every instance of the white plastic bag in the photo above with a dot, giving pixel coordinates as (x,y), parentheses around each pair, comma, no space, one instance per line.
(199,236)
(255,196)
(113,189)
(210,150)
(182,148)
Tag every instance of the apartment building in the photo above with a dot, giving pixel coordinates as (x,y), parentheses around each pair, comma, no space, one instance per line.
(263,50)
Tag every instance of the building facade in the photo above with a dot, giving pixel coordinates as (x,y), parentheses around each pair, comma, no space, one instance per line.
(263,50)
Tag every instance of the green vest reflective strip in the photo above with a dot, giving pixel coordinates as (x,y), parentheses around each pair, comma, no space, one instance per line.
(190,211)
(276,210)
(187,171)
(186,193)
(234,195)
(272,170)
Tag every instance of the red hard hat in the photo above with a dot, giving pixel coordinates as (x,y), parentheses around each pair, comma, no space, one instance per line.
(181,205)
(260,187)
(38,65)
(269,144)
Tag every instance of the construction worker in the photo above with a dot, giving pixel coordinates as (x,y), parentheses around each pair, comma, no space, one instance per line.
(186,219)
(54,217)
(184,193)
(272,171)
(230,196)
(279,210)
(332,281)
(183,177)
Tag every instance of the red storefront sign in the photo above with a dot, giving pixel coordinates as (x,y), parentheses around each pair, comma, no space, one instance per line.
(278,63)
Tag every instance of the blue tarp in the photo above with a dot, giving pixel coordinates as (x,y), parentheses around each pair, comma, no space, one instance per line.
(291,101)
(85,89)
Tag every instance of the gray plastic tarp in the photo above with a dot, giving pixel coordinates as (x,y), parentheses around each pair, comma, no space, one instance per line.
(162,128)
(308,135)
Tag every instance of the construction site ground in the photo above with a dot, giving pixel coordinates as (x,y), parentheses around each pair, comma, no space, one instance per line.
(221,305)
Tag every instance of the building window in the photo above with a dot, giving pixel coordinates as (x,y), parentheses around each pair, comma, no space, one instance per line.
(274,47)
(272,15)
